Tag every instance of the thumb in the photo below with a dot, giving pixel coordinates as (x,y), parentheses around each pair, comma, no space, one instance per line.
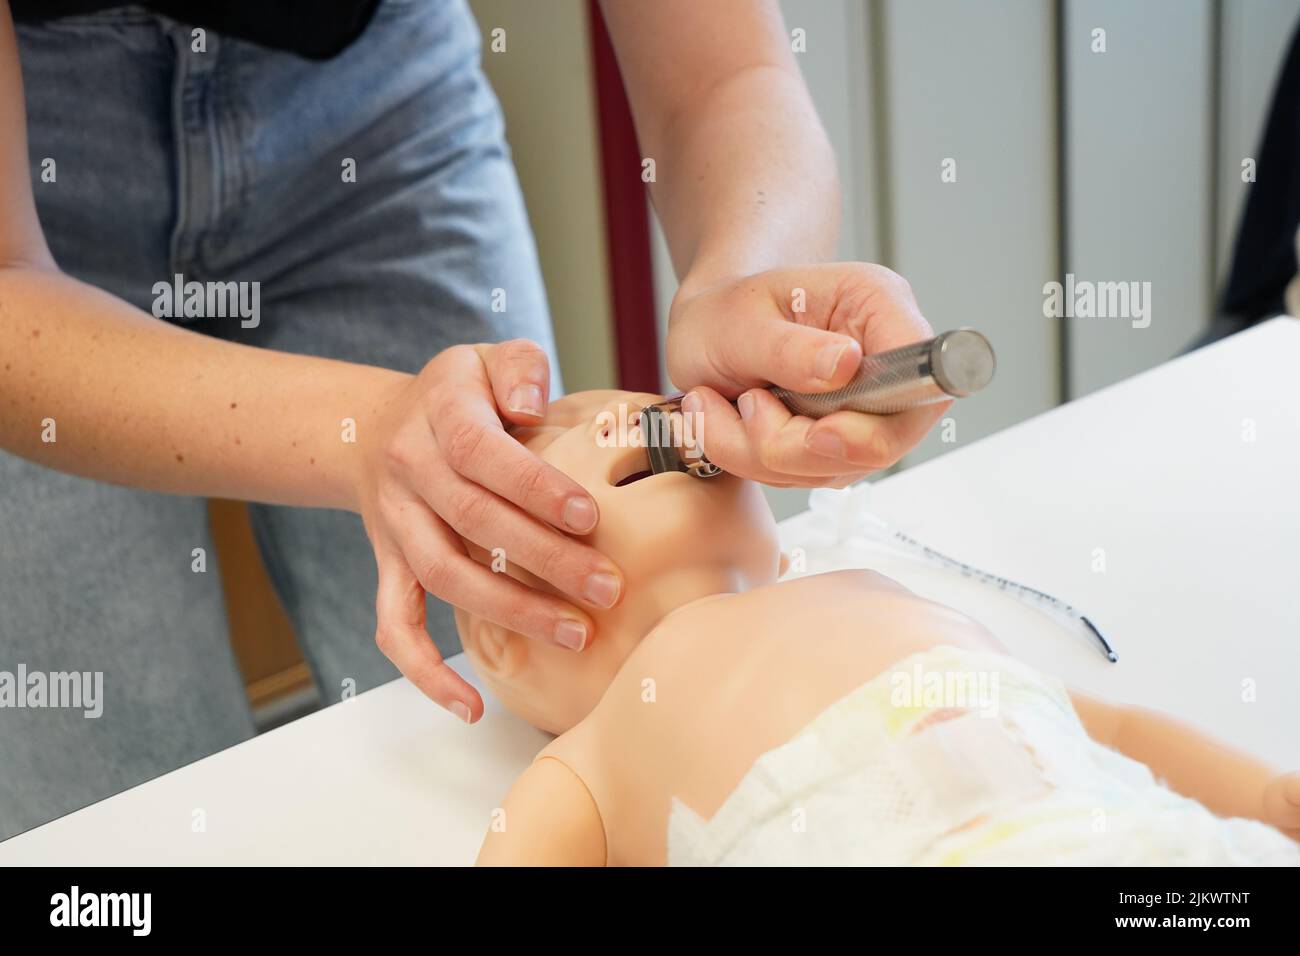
(520,375)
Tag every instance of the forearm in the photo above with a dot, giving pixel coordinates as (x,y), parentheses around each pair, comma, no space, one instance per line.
(133,400)
(745,179)
(749,181)
(1229,782)
(20,233)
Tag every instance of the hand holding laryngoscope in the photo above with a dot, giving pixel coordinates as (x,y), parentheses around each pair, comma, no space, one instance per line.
(952,365)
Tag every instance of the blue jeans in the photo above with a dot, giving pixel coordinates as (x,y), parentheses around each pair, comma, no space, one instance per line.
(228,165)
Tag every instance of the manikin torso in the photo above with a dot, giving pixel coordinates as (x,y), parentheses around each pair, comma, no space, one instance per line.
(723,680)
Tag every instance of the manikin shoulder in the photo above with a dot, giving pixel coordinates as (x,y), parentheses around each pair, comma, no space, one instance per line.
(549,818)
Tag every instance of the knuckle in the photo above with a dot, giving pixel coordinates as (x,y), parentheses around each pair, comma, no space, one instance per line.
(530,479)
(881,450)
(397,454)
(516,349)
(465,510)
(434,574)
(519,612)
(787,342)
(878,273)
(728,355)
(448,357)
(726,450)
(426,676)
(684,360)
(737,459)
(551,560)
(433,400)
(386,640)
(463,444)
(857,298)
(880,277)
(898,283)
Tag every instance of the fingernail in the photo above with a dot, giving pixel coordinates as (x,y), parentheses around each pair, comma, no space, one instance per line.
(746,405)
(825,443)
(571,634)
(579,514)
(601,588)
(460,710)
(828,359)
(692,404)
(526,400)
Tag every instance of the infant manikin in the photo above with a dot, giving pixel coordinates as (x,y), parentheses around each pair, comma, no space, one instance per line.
(721,717)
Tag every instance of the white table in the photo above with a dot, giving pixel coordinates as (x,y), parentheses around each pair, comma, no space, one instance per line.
(1201,592)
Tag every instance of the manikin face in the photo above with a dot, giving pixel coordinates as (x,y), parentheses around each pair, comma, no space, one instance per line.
(677,538)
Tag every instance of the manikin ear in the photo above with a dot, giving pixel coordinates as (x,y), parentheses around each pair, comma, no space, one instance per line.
(500,652)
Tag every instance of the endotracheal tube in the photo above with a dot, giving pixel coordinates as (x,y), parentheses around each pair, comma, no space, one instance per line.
(848,513)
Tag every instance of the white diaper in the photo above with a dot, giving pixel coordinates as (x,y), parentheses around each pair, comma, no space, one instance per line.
(954,757)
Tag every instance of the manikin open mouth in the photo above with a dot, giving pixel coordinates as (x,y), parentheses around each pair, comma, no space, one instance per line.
(666,449)
(635,476)
(630,468)
(633,465)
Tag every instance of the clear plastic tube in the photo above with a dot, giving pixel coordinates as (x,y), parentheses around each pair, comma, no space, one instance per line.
(849,509)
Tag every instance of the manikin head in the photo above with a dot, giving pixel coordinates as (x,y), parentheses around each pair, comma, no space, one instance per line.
(677,538)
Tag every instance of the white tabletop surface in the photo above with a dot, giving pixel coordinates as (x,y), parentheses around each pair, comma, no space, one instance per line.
(1198,526)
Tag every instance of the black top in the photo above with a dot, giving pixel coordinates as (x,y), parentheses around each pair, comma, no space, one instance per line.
(317,29)
(1264,258)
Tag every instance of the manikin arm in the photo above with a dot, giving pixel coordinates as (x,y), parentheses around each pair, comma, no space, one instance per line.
(547,819)
(1228,782)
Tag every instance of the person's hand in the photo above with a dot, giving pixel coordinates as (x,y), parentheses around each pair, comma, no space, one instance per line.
(805,329)
(1282,804)
(439,467)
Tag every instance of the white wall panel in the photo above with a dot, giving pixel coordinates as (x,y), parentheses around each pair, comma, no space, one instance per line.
(1139,122)
(974,83)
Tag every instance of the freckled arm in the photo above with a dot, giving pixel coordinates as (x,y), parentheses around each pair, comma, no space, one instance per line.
(93,386)
(129,399)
